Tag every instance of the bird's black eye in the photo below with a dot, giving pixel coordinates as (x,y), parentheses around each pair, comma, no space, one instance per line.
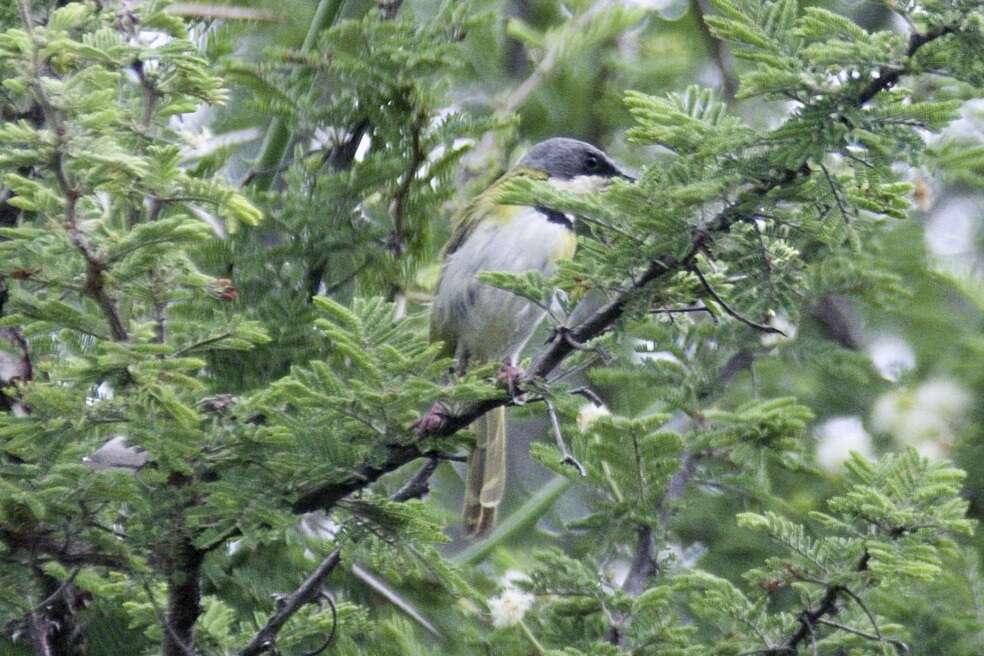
(591,163)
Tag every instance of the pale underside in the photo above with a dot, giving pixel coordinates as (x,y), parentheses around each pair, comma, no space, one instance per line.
(483,323)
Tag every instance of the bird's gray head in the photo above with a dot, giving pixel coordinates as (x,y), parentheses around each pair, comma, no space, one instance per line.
(567,159)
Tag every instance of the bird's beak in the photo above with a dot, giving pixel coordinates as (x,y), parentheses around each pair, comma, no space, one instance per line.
(625,176)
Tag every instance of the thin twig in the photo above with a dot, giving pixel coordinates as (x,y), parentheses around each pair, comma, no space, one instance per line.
(308,591)
(898,644)
(567,458)
(546,64)
(163,620)
(732,313)
(417,485)
(402,194)
(684,310)
(677,486)
(871,618)
(334,626)
(53,597)
(95,280)
(197,345)
(836,194)
(587,393)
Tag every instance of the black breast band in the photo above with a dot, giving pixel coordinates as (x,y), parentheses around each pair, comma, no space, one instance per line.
(553,216)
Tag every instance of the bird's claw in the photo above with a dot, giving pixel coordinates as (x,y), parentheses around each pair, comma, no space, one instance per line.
(432,422)
(566,335)
(510,376)
(568,459)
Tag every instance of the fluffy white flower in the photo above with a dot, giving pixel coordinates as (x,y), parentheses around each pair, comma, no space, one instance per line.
(780,322)
(888,411)
(925,418)
(837,437)
(892,356)
(510,607)
(943,397)
(589,414)
(932,451)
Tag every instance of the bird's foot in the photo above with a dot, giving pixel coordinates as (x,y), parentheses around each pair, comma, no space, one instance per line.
(569,459)
(432,422)
(510,377)
(566,335)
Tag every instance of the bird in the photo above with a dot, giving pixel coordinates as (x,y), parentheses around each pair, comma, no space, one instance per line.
(479,323)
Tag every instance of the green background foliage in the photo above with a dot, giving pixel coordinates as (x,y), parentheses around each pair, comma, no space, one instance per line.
(220,227)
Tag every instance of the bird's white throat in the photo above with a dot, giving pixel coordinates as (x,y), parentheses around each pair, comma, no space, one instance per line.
(580,184)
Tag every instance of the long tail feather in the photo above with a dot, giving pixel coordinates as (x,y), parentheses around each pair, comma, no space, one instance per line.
(485,484)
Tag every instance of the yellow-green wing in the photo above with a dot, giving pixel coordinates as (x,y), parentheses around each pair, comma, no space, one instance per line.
(481,206)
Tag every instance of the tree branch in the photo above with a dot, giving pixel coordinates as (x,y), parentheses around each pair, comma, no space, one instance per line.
(887,77)
(396,243)
(327,495)
(728,309)
(417,485)
(722,58)
(95,283)
(308,591)
(900,646)
(643,563)
(184,600)
(563,343)
(70,553)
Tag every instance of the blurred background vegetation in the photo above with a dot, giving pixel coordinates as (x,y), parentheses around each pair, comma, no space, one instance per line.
(357,193)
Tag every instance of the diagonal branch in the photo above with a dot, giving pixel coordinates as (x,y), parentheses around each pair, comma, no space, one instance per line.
(310,588)
(887,77)
(419,484)
(396,242)
(307,592)
(728,309)
(327,495)
(563,343)
(95,280)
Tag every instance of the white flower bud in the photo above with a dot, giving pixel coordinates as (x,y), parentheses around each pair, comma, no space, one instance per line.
(510,607)
(892,356)
(837,437)
(589,413)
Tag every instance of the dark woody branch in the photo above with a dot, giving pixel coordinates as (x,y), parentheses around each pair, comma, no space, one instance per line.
(310,589)
(71,553)
(95,280)
(563,343)
(307,592)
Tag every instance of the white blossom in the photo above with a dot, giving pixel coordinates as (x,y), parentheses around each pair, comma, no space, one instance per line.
(589,414)
(925,418)
(837,437)
(892,356)
(509,607)
(943,397)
